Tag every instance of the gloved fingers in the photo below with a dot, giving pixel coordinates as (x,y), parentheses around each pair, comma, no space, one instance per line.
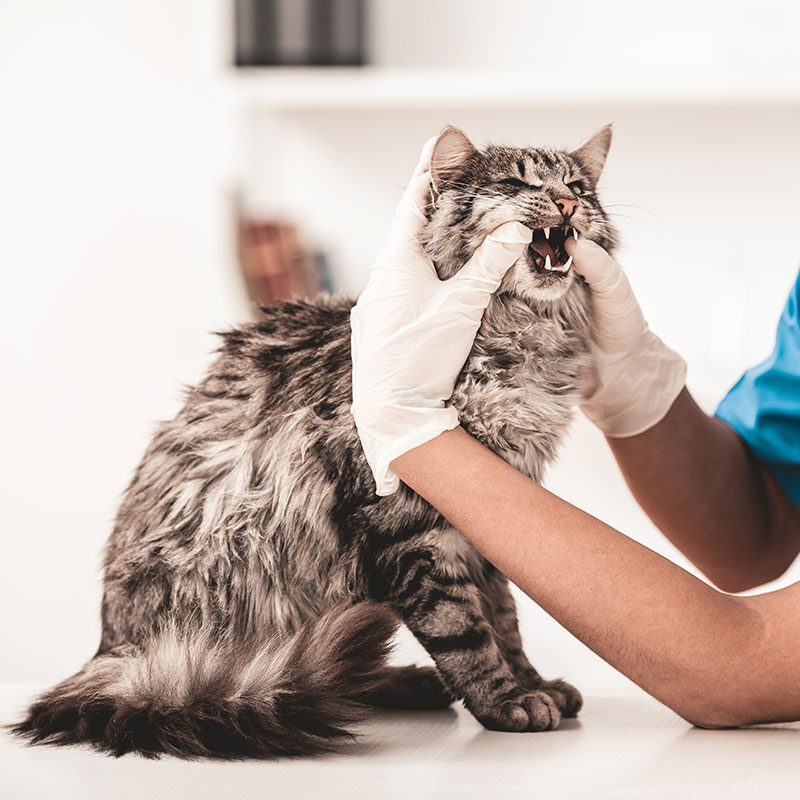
(498,251)
(410,214)
(401,263)
(409,218)
(602,273)
(424,163)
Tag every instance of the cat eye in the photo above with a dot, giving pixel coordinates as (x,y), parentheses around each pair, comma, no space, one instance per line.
(577,187)
(515,182)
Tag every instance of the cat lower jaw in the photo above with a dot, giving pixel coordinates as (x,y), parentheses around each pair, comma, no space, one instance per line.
(541,294)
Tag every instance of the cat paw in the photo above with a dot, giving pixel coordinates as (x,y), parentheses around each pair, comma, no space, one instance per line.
(530,711)
(567,698)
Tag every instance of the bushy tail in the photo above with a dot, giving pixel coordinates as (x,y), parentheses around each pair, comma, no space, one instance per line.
(197,698)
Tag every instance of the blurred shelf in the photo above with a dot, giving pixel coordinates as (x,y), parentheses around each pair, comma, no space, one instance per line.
(283,88)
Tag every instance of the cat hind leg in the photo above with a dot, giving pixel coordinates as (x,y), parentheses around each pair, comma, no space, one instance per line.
(409,688)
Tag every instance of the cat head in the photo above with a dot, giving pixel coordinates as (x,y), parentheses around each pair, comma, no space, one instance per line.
(552,192)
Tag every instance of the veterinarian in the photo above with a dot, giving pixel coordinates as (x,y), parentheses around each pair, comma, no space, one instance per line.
(725,490)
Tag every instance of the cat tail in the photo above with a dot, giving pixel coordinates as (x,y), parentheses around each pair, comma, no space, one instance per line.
(193,697)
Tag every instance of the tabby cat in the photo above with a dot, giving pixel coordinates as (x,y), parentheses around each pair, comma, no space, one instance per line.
(254,580)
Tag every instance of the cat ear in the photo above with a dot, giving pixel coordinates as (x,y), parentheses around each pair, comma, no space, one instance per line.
(449,157)
(592,153)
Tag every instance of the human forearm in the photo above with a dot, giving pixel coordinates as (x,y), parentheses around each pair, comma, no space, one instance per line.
(687,644)
(695,479)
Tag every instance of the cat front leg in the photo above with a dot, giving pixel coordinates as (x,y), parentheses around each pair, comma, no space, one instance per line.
(501,611)
(436,597)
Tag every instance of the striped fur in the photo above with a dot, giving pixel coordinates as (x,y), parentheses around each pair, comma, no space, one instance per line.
(253,577)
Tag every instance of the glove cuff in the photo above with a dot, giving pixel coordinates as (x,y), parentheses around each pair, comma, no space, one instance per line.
(635,391)
(381,449)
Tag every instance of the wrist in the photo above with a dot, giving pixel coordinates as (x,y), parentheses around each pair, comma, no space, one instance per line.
(387,433)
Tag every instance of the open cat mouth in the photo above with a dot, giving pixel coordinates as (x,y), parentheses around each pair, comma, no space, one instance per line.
(546,252)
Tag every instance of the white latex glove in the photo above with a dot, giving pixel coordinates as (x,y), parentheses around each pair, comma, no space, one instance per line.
(412,332)
(636,377)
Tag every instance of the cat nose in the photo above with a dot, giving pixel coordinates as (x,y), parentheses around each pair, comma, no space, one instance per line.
(567,206)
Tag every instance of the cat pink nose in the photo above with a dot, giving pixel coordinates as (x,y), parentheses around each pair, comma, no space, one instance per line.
(567,206)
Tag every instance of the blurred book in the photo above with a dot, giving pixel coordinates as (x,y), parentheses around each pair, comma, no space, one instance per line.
(275,263)
(299,33)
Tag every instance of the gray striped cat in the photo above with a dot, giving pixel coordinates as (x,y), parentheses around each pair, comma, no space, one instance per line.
(254,580)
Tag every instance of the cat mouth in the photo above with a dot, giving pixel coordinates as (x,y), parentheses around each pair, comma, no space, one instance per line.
(546,251)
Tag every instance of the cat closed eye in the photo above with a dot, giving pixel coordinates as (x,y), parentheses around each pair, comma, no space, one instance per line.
(515,182)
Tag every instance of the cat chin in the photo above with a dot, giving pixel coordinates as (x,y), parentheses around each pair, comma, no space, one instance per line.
(550,294)
(534,288)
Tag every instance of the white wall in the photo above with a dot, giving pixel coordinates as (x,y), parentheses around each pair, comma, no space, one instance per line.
(115,265)
(116,257)
(614,38)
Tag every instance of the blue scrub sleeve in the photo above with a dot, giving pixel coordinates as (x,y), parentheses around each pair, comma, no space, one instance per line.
(763,407)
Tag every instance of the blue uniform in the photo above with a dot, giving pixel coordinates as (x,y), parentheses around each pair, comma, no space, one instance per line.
(764,405)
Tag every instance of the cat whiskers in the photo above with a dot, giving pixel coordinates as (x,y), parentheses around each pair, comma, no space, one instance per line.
(617,215)
(633,205)
(604,228)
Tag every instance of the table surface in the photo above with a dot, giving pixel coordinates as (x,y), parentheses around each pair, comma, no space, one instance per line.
(620,748)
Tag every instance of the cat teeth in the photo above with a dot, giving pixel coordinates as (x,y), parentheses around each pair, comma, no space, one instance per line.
(575,234)
(547,233)
(550,267)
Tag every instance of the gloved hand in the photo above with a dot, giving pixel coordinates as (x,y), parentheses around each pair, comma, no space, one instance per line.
(412,333)
(635,376)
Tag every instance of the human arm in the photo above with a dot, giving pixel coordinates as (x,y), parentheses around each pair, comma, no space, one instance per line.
(715,659)
(690,472)
(701,486)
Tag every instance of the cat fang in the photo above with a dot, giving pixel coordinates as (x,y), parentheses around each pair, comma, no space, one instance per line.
(547,253)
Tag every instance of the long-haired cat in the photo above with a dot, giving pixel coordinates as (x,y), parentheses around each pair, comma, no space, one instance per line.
(254,580)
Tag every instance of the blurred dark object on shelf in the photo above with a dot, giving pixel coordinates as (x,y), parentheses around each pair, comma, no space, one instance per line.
(295,33)
(276,265)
